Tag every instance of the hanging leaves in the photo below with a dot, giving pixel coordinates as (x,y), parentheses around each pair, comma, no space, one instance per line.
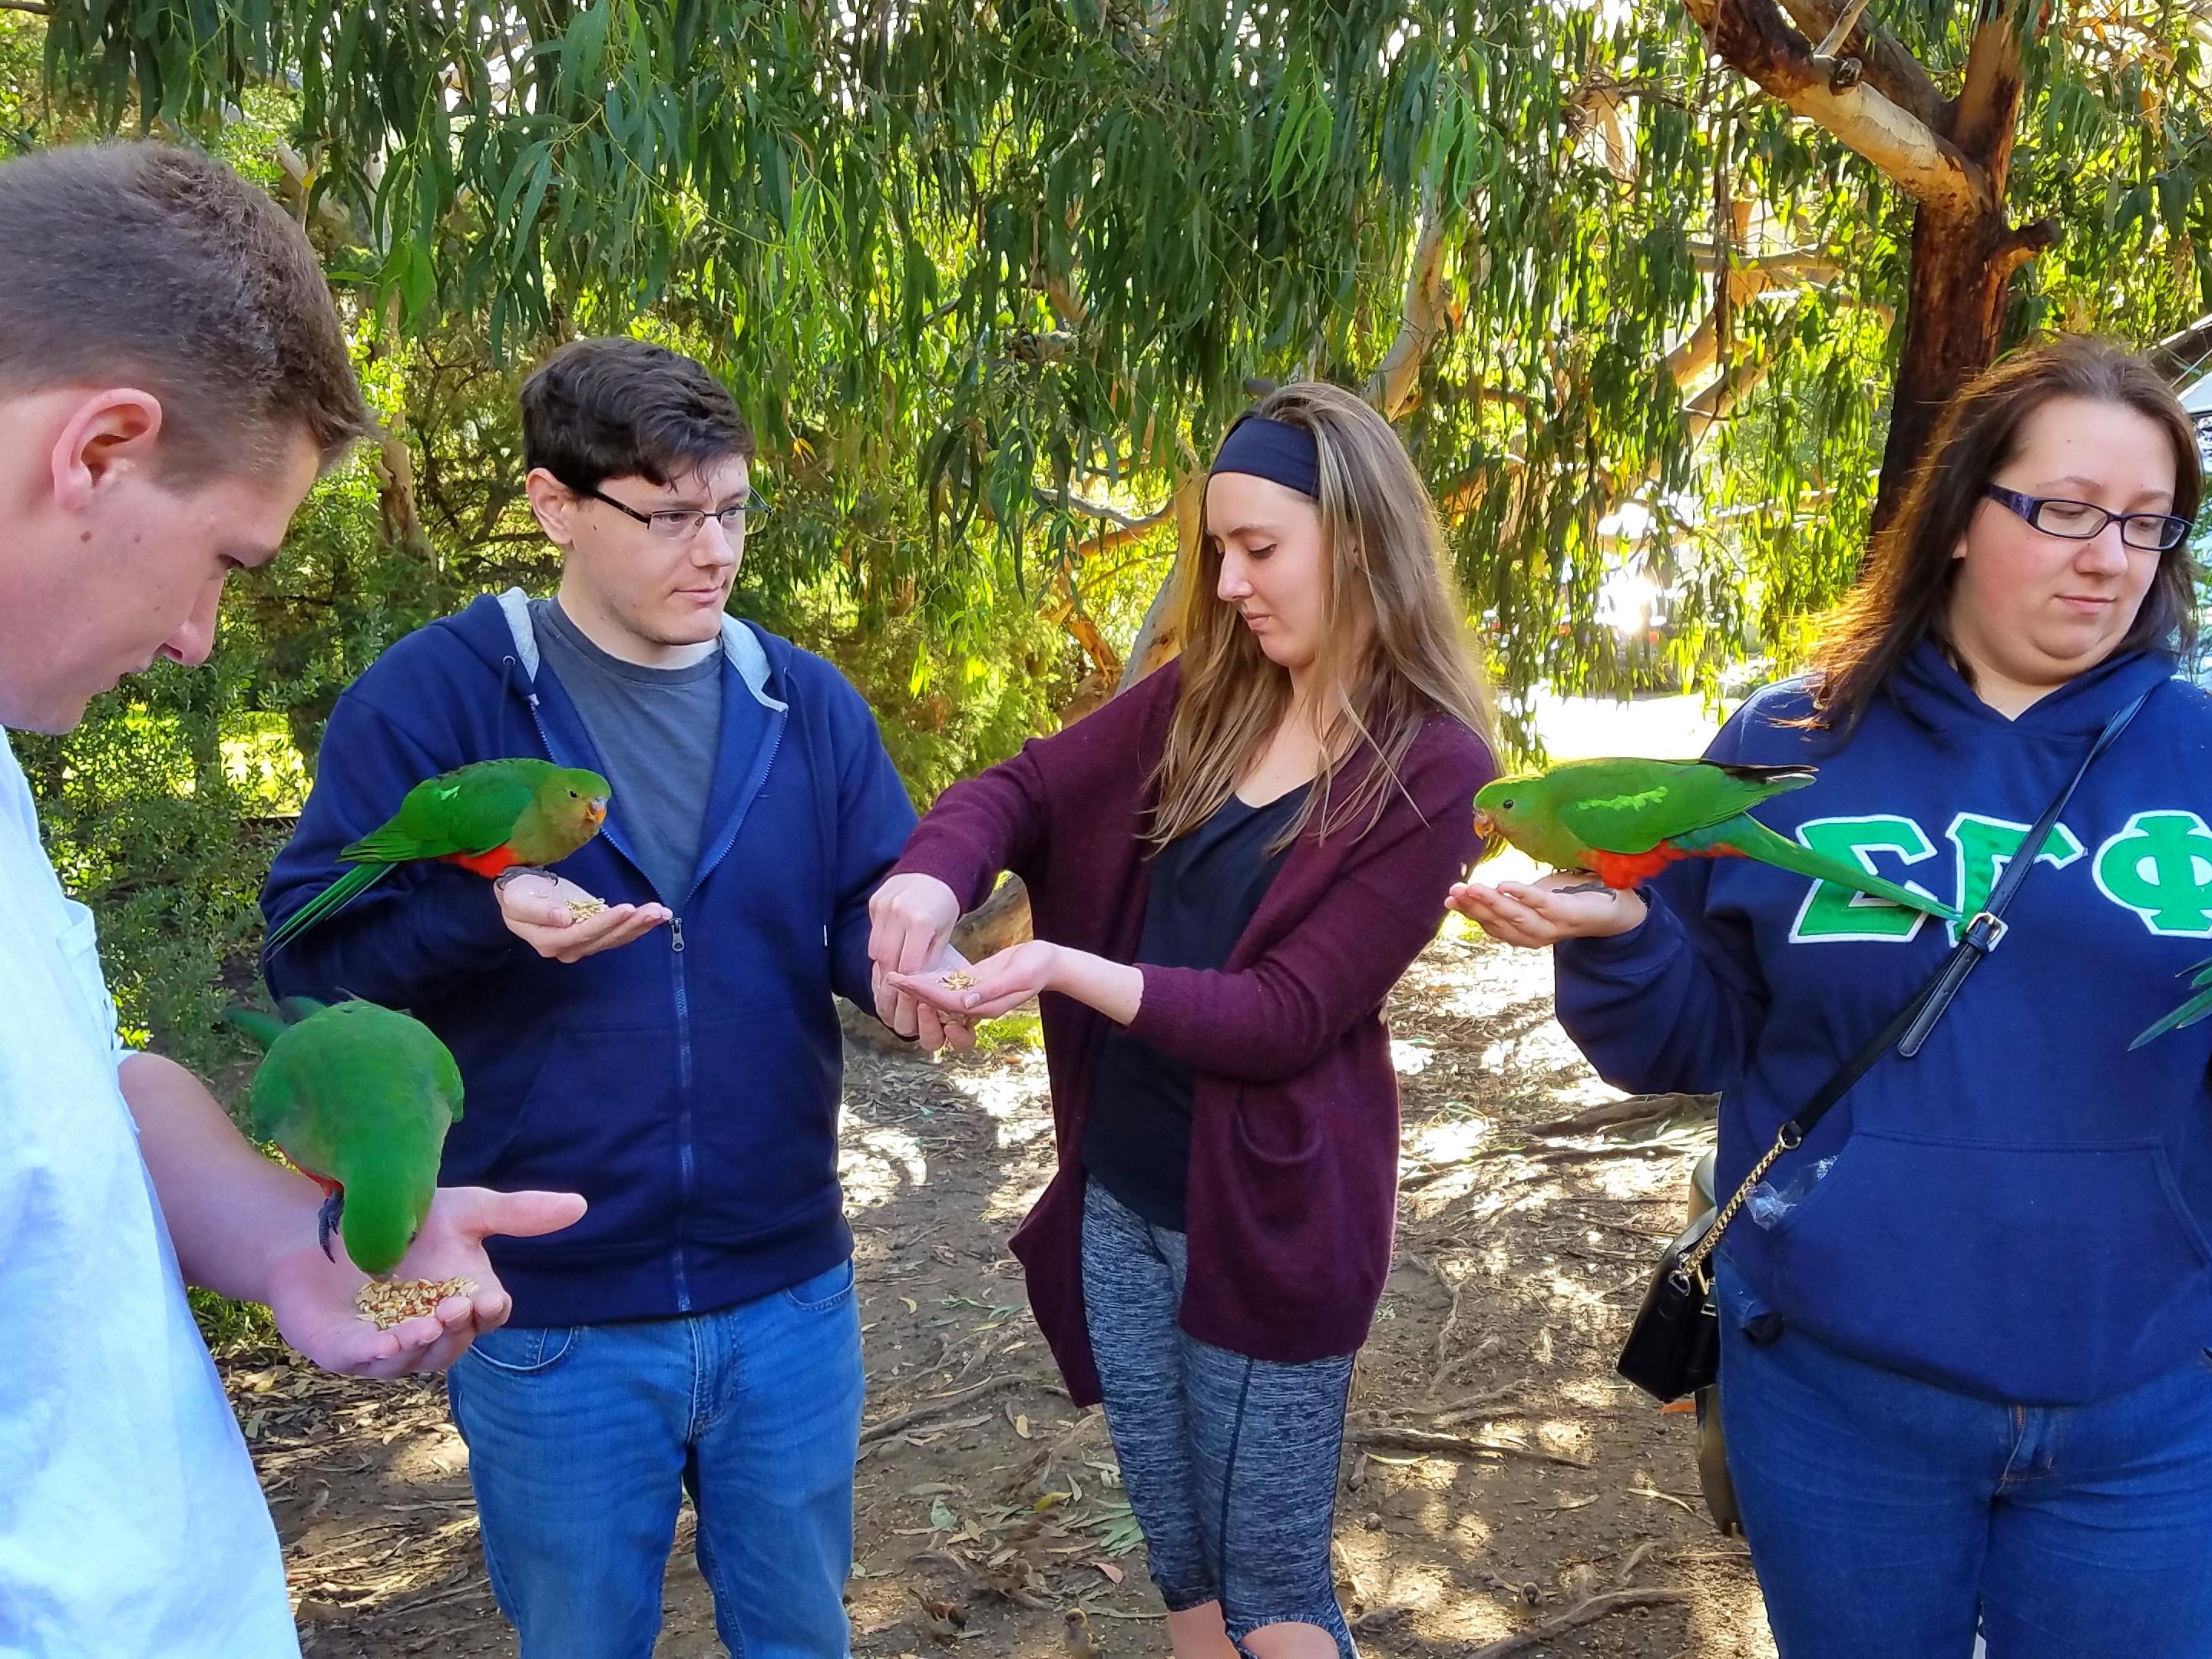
(973,268)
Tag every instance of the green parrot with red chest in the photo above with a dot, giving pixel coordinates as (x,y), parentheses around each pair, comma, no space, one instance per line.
(359,1098)
(1624,821)
(488,817)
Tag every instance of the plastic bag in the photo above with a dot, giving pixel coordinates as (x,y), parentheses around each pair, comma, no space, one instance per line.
(1767,1206)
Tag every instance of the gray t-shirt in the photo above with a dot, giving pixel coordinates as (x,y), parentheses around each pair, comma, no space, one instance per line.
(657,729)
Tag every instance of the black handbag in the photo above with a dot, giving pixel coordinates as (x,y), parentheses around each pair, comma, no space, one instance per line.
(1674,1346)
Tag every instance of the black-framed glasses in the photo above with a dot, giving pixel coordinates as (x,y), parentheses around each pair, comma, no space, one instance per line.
(676,523)
(2079,521)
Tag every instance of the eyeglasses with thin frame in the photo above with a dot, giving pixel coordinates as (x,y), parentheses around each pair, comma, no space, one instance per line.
(676,523)
(2080,521)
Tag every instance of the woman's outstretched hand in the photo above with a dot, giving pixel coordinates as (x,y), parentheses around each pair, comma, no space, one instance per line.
(994,985)
(1565,904)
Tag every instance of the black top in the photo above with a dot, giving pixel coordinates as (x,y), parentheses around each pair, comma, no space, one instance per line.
(1205,886)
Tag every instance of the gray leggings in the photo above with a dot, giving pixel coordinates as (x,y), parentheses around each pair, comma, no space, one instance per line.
(1231,1464)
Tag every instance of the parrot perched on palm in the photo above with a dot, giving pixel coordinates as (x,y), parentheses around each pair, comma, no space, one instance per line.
(490,817)
(1624,821)
(2200,978)
(359,1098)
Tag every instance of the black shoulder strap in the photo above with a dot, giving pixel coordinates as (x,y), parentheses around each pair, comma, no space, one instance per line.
(1909,1027)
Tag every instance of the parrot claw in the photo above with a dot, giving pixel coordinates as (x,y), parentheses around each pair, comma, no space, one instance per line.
(1587,887)
(326,1222)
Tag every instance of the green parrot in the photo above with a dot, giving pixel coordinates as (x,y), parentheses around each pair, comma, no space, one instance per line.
(2190,1011)
(359,1099)
(490,816)
(1624,821)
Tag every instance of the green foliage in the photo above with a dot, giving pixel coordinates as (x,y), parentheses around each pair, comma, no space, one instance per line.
(947,713)
(232,1326)
(971,266)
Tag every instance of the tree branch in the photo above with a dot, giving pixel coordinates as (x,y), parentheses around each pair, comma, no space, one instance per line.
(1985,120)
(34,7)
(1754,37)
(1840,30)
(1393,382)
(1113,515)
(1792,265)
(2023,246)
(1155,636)
(1583,1613)
(1890,69)
(2178,357)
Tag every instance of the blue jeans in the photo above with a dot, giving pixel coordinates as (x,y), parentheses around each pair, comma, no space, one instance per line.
(1885,1514)
(582,1440)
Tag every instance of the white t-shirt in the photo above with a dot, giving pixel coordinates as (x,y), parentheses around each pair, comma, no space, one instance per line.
(132,1525)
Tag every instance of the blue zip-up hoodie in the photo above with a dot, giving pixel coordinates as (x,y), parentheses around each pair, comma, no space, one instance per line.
(2019,1211)
(687,1084)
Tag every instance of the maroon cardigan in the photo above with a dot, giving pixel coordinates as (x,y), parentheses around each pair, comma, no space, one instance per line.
(1294,1110)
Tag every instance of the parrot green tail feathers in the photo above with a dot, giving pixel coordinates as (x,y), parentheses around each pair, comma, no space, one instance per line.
(262,1027)
(1748,835)
(2196,1008)
(333,898)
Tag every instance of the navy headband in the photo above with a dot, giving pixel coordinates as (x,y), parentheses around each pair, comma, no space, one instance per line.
(1273,450)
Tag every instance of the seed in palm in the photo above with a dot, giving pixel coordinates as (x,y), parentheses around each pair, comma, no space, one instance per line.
(387,1303)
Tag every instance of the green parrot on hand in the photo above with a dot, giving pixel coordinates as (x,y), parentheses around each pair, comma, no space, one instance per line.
(490,817)
(358,1098)
(1624,821)
(2199,977)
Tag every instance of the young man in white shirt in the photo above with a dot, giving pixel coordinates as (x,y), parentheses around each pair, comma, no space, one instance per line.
(173,379)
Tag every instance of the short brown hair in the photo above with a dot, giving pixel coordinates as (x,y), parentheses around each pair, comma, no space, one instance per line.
(1904,594)
(612,407)
(152,264)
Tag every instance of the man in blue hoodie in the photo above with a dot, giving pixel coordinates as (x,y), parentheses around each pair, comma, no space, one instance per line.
(676,1058)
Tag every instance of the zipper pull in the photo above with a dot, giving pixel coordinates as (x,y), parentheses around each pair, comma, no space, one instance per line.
(676,934)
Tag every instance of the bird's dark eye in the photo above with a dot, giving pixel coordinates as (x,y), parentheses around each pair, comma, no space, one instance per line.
(573,796)
(1506,805)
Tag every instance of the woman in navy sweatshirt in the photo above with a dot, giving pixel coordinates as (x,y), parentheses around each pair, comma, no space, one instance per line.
(1267,829)
(1963,1371)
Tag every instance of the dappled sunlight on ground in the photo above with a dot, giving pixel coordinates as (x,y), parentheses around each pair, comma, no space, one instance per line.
(1006,1092)
(875,1165)
(435,1455)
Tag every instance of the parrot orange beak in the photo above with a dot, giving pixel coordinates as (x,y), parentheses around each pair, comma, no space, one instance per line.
(1493,838)
(595,811)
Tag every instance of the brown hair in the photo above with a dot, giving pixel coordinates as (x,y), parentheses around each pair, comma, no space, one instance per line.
(1903,595)
(1380,538)
(147,263)
(618,408)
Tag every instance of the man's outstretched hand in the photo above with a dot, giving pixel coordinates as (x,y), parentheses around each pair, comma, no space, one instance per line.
(554,916)
(312,1299)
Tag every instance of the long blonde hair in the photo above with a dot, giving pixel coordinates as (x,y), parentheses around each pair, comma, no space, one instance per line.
(1380,539)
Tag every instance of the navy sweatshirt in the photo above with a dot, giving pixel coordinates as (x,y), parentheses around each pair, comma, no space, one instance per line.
(2018,1212)
(687,1084)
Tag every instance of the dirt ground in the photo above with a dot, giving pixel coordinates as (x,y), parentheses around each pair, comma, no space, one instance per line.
(1499,1478)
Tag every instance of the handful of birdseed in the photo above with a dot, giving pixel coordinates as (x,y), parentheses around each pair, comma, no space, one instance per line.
(579,908)
(956,980)
(387,1303)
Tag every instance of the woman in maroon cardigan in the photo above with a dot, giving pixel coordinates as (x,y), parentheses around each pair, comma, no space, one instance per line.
(1267,829)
